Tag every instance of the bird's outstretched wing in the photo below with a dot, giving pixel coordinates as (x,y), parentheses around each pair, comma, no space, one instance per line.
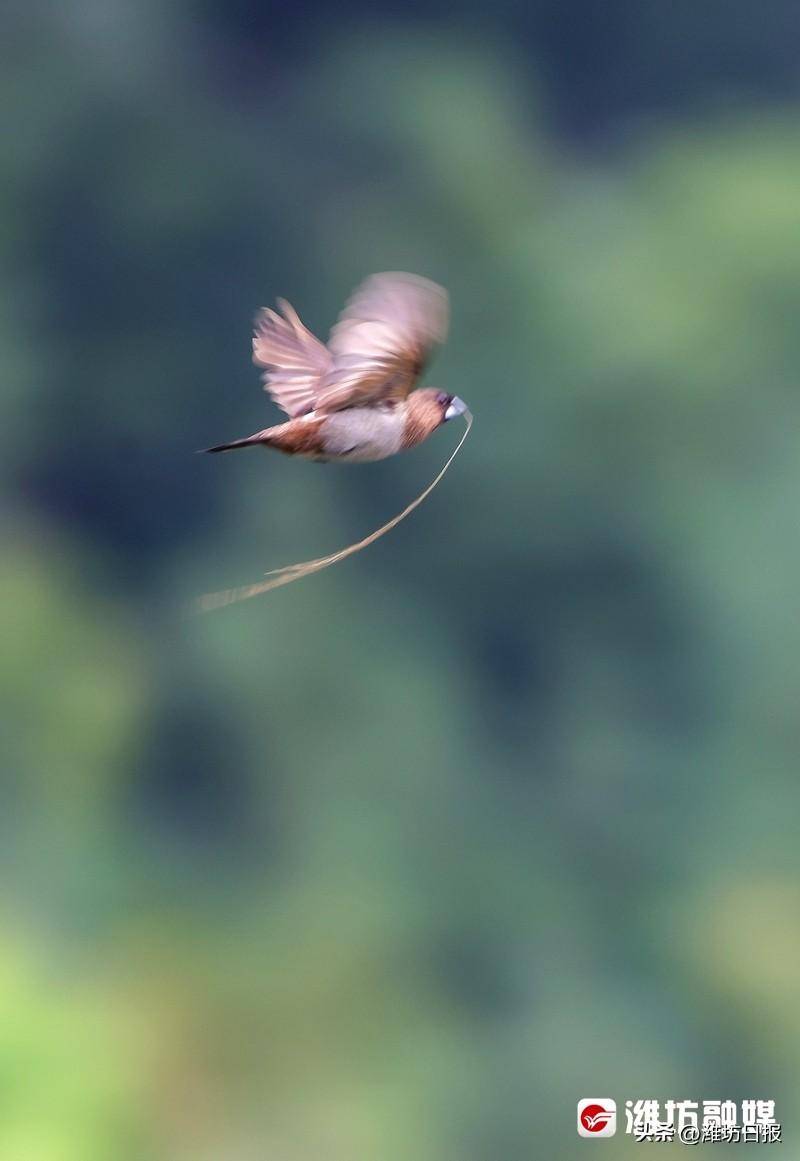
(383,340)
(294,360)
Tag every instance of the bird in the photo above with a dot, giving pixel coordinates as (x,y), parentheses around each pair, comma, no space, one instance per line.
(355,399)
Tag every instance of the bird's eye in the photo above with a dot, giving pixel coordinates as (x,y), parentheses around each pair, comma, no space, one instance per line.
(443,399)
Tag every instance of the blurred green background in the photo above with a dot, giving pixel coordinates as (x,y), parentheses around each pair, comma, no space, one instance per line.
(399,862)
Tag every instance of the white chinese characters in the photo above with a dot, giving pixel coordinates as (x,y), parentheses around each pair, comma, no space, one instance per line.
(694,1122)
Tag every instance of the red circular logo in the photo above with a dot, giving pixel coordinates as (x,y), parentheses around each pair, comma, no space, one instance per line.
(594,1118)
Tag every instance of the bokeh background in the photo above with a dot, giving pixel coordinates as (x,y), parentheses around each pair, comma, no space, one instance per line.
(399,862)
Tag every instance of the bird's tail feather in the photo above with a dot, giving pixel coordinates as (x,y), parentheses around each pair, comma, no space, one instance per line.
(250,441)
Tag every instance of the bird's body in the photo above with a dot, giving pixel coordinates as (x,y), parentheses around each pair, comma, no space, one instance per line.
(356,434)
(353,400)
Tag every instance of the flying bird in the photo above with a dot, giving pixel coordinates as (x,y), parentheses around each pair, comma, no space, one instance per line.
(355,399)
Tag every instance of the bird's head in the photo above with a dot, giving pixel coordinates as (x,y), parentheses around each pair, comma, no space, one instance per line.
(428,409)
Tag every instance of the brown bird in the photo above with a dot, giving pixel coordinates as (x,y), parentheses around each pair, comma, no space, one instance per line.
(354,399)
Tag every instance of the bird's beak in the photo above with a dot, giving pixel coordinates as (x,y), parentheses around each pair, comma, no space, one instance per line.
(457,407)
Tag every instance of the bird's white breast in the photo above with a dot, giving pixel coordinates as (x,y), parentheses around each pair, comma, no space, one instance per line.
(364,433)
